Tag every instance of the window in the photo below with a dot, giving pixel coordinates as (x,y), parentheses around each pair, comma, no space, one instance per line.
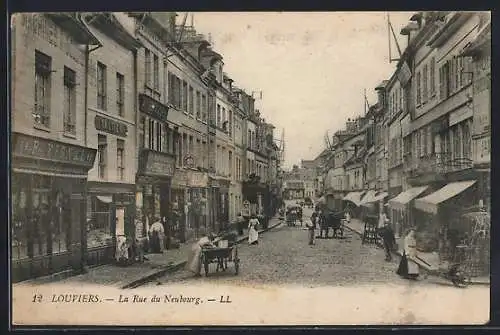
(178,93)
(198,105)
(147,67)
(156,72)
(43,71)
(101,86)
(159,137)
(102,147)
(231,163)
(456,142)
(69,101)
(184,96)
(419,89)
(99,218)
(230,123)
(120,96)
(425,82)
(218,116)
(466,135)
(224,119)
(444,84)
(190,101)
(120,164)
(433,77)
(142,132)
(151,134)
(204,108)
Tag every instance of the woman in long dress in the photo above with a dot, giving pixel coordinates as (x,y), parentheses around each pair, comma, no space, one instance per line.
(407,268)
(253,234)
(194,260)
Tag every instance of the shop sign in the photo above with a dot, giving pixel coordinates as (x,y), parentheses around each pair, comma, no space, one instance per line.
(45,149)
(197,179)
(42,27)
(153,108)
(110,126)
(160,164)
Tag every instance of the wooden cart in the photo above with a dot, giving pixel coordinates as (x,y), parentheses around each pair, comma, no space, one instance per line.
(220,256)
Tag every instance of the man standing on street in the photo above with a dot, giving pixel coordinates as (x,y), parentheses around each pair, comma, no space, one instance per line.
(389,241)
(311,226)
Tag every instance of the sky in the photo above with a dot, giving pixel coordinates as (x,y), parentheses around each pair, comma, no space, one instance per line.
(312,68)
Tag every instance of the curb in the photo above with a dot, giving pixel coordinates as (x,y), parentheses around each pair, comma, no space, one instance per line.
(420,265)
(173,267)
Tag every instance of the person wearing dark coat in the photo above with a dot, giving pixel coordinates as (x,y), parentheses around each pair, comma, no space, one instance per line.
(389,241)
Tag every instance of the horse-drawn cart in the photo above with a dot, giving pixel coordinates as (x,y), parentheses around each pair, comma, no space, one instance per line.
(335,221)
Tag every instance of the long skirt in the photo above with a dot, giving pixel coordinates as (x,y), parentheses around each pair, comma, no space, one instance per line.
(253,235)
(407,268)
(194,260)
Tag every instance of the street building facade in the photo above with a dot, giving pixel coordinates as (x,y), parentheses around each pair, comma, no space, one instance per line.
(121,120)
(111,130)
(426,150)
(51,156)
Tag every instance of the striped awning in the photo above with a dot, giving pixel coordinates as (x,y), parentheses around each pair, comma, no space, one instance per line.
(354,197)
(369,197)
(403,198)
(430,203)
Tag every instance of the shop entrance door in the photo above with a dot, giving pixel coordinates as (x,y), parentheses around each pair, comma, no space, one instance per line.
(120,221)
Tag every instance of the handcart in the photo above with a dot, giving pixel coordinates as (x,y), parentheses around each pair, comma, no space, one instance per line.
(220,255)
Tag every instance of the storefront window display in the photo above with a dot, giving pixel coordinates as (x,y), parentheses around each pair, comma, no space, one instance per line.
(19,225)
(99,221)
(41,216)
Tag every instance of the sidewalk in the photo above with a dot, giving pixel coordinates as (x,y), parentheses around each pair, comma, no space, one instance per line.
(137,274)
(429,261)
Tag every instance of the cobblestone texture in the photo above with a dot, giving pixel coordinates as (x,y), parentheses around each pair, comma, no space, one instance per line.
(283,256)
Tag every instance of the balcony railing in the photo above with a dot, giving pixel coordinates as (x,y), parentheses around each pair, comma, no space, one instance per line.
(440,163)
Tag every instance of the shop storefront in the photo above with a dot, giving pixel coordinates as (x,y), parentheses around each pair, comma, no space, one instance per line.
(48,189)
(110,213)
(153,189)
(439,212)
(197,183)
(219,198)
(401,207)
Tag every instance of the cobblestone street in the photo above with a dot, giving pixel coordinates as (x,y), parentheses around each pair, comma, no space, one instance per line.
(283,256)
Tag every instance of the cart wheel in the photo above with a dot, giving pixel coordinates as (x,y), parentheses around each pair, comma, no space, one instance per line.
(462,278)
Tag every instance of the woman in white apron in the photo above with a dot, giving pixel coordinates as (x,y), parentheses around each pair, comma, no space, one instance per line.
(253,234)
(407,268)
(194,260)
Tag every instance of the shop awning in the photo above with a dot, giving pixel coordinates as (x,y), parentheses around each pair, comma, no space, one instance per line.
(403,198)
(430,203)
(368,198)
(354,197)
(380,196)
(107,199)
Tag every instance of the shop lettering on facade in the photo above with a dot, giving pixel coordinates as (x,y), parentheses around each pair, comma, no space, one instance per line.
(110,126)
(41,26)
(197,179)
(160,164)
(153,108)
(32,147)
